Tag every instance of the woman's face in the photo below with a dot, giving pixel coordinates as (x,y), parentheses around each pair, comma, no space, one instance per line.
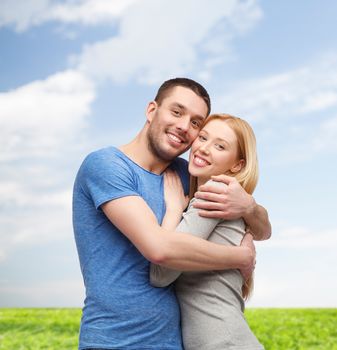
(214,152)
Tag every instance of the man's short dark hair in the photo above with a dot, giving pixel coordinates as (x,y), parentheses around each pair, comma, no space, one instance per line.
(197,88)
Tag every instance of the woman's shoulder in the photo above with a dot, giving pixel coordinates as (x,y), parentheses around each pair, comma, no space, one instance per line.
(216,183)
(233,223)
(209,182)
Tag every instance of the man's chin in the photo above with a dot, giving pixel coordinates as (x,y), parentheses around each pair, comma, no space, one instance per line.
(176,152)
(165,151)
(171,153)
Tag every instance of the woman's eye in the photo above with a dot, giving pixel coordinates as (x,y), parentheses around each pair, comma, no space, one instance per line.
(202,138)
(219,147)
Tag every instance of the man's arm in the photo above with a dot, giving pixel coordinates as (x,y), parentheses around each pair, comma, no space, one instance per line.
(197,226)
(192,223)
(258,222)
(180,251)
(232,203)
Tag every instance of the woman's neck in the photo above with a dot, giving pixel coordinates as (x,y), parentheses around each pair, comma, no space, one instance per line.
(201,180)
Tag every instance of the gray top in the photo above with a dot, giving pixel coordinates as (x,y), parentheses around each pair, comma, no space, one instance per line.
(211,302)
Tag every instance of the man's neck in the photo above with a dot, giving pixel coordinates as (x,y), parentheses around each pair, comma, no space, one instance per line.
(139,152)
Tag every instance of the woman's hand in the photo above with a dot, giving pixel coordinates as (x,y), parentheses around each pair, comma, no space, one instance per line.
(175,198)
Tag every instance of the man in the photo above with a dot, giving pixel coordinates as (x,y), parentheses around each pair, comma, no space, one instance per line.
(117,209)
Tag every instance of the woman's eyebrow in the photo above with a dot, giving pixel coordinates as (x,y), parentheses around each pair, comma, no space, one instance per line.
(223,140)
(217,139)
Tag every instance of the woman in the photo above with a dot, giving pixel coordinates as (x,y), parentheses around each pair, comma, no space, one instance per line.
(212,302)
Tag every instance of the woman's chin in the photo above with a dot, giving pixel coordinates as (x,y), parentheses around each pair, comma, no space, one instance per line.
(195,172)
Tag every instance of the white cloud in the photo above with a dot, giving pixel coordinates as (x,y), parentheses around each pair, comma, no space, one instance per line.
(293,266)
(320,100)
(37,119)
(301,237)
(22,14)
(55,293)
(25,14)
(151,47)
(89,12)
(288,95)
(293,112)
(294,287)
(40,128)
(148,47)
(31,217)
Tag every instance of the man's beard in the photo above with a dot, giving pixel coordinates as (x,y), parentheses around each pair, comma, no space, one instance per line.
(156,149)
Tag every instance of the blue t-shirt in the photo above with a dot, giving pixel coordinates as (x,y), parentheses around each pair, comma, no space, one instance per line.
(121,309)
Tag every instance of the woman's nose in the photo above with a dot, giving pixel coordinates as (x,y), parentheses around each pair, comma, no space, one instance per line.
(204,148)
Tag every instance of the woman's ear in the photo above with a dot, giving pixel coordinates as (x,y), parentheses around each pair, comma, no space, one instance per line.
(238,166)
(150,110)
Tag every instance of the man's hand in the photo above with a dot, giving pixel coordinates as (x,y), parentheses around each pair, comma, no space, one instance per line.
(247,271)
(230,202)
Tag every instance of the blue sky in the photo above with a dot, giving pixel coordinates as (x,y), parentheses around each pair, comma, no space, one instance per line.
(76,76)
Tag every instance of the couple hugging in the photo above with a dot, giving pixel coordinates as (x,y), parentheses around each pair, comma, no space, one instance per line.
(157,275)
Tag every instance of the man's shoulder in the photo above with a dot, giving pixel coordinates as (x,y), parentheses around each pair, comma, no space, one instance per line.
(102,153)
(109,161)
(180,163)
(108,155)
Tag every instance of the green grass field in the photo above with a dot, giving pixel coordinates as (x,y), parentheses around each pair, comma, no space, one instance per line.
(279,329)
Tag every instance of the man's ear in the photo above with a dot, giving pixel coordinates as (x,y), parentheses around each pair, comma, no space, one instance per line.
(150,110)
(238,166)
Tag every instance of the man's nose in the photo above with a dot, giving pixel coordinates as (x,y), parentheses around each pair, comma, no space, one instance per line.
(183,124)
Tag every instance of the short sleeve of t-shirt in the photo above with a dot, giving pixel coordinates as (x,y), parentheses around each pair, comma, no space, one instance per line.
(105,176)
(180,165)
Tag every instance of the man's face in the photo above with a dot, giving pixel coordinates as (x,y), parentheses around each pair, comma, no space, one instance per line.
(175,123)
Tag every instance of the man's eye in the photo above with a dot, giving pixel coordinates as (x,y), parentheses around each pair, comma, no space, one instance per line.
(196,123)
(176,112)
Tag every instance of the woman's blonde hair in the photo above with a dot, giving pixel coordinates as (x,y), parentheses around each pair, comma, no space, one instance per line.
(248,174)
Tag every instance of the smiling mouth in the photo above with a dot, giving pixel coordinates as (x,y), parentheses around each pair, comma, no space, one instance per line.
(175,138)
(200,161)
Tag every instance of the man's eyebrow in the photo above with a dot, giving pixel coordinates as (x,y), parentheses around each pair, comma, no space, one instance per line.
(183,108)
(176,104)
